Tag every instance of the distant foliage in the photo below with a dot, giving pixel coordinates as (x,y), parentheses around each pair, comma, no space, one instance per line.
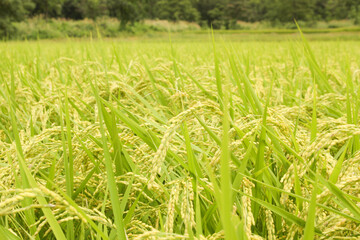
(126,11)
(13,10)
(49,8)
(175,10)
(219,14)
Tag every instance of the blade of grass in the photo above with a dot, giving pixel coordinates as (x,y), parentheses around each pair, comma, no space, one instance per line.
(225,174)
(260,158)
(338,166)
(281,212)
(6,234)
(342,197)
(217,70)
(319,76)
(78,209)
(114,195)
(313,128)
(297,187)
(29,181)
(280,190)
(309,232)
(69,165)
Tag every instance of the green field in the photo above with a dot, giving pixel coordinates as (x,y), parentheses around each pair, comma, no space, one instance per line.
(193,139)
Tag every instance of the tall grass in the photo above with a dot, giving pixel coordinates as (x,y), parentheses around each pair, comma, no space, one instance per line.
(182,140)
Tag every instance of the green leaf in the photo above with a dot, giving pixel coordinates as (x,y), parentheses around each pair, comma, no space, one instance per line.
(338,166)
(310,220)
(114,194)
(6,234)
(281,212)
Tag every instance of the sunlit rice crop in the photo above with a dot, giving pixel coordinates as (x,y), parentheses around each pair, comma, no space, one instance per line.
(185,140)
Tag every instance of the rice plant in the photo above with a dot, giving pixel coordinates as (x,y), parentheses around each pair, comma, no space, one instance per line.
(110,139)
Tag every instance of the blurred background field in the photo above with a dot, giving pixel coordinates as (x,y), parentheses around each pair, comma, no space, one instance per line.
(58,19)
(163,30)
(40,28)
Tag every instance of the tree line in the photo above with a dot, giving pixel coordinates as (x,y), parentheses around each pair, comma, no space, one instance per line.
(215,13)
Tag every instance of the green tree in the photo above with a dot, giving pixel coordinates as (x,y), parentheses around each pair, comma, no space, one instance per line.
(337,9)
(150,9)
(212,11)
(79,9)
(247,10)
(288,10)
(13,10)
(72,9)
(343,9)
(127,11)
(49,8)
(94,8)
(320,11)
(175,10)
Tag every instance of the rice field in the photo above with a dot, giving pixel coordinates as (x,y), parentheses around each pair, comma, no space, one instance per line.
(113,139)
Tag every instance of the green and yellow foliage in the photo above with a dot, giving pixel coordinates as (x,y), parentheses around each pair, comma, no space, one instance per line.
(139,139)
